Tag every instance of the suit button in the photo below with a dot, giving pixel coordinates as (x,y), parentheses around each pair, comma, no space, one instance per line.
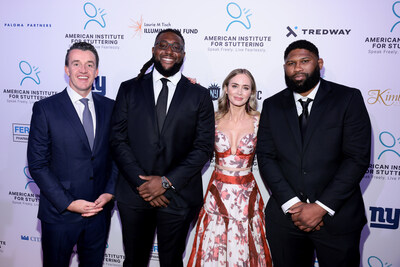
(92,158)
(304,172)
(91,178)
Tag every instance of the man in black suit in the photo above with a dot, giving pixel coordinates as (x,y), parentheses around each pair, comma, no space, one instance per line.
(70,161)
(313,149)
(162,135)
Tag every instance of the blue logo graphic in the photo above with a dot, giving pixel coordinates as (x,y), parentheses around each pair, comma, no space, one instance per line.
(99,85)
(28,176)
(20,132)
(26,69)
(214,91)
(395,13)
(390,222)
(374,261)
(291,32)
(235,12)
(389,141)
(91,11)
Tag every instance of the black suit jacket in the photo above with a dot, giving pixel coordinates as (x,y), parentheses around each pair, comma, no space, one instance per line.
(330,163)
(61,161)
(179,152)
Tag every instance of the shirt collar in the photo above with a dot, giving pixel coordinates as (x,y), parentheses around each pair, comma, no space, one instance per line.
(74,96)
(174,79)
(311,95)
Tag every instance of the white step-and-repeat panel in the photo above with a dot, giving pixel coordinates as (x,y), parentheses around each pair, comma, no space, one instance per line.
(358,40)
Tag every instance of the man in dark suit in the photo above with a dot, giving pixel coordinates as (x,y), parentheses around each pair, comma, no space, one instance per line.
(312,156)
(70,161)
(162,135)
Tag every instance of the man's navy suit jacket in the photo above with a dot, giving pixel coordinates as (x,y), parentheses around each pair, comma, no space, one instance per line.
(61,161)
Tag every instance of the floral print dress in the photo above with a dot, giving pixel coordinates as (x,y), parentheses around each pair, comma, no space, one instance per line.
(231,229)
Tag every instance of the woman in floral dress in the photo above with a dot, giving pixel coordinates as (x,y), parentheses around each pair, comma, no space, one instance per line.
(230,228)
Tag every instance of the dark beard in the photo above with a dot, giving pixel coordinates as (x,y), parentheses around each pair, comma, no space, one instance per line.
(167,73)
(310,82)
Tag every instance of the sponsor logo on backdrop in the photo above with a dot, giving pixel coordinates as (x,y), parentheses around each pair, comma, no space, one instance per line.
(27,197)
(99,85)
(388,44)
(31,238)
(154,253)
(396,5)
(388,150)
(141,27)
(26,25)
(303,32)
(235,12)
(20,132)
(137,27)
(111,259)
(95,21)
(386,97)
(26,69)
(26,92)
(231,39)
(95,15)
(214,89)
(384,218)
(374,261)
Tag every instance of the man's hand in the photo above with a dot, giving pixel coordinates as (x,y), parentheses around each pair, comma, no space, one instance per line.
(85,208)
(152,188)
(160,201)
(307,216)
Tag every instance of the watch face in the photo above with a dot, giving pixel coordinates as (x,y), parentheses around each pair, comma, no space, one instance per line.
(165,185)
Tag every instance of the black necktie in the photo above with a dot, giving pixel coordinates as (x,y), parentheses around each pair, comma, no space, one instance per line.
(162,104)
(304,115)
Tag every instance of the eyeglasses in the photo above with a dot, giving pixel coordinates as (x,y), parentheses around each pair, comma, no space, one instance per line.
(176,47)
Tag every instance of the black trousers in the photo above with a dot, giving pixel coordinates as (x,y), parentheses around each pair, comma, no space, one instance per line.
(293,247)
(138,231)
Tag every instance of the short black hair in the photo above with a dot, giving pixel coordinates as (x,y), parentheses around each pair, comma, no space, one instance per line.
(301,44)
(84,46)
(177,32)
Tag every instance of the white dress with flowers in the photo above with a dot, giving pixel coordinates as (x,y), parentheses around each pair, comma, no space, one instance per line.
(231,229)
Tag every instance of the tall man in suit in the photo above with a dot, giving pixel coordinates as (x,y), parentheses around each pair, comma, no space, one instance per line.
(162,135)
(312,155)
(70,161)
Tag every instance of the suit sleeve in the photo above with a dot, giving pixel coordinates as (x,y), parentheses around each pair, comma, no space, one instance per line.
(267,158)
(39,157)
(202,148)
(356,148)
(119,139)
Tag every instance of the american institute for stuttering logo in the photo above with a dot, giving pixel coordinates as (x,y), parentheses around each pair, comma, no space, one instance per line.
(396,12)
(238,16)
(374,261)
(95,21)
(29,72)
(95,15)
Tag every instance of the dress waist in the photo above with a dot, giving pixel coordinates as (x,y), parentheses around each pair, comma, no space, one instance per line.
(233,179)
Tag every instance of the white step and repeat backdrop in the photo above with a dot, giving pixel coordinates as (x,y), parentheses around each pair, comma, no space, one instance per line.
(359,41)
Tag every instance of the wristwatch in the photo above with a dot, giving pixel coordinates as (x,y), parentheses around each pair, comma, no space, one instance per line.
(164,182)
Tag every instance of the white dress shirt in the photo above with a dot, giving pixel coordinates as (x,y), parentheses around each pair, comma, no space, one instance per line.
(157,85)
(79,106)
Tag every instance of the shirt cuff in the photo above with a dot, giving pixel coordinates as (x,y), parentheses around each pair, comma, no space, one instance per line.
(330,212)
(286,206)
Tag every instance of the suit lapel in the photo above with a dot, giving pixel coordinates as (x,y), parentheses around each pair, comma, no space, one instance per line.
(149,99)
(72,117)
(317,110)
(291,115)
(175,102)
